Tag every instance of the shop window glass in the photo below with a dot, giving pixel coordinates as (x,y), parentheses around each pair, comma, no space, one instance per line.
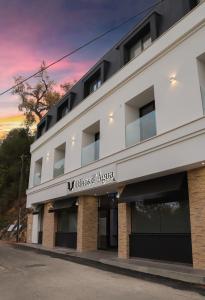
(174,217)
(72,222)
(167,217)
(145,218)
(63,221)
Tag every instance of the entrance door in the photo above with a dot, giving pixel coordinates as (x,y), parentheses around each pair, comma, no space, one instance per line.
(66,235)
(107,223)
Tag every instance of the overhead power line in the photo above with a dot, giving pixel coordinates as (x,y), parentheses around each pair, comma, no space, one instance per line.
(84,45)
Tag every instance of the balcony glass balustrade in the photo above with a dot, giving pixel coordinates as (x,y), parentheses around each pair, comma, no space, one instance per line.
(90,153)
(37,179)
(141,129)
(59,167)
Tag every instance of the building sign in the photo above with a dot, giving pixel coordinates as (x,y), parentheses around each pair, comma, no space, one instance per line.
(96,179)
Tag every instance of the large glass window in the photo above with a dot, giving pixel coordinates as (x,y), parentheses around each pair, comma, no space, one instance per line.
(160,217)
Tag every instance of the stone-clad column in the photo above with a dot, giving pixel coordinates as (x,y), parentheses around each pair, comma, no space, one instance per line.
(29,228)
(124,228)
(196,183)
(87,224)
(48,227)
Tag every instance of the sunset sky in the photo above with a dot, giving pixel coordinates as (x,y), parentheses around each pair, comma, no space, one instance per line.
(36,30)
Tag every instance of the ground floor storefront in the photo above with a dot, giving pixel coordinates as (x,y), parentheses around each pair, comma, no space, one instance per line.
(162,218)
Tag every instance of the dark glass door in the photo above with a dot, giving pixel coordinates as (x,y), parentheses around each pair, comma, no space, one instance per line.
(107,223)
(66,235)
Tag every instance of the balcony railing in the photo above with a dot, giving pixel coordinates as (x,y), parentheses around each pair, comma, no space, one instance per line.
(59,167)
(141,129)
(203,97)
(37,179)
(90,153)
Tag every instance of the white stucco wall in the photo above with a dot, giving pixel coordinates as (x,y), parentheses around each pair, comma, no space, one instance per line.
(178,111)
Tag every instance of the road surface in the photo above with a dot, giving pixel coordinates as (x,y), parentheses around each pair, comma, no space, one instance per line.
(28,275)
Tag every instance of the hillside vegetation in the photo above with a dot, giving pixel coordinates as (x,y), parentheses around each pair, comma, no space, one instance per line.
(14,148)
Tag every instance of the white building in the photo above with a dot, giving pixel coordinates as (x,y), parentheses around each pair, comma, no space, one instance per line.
(124,168)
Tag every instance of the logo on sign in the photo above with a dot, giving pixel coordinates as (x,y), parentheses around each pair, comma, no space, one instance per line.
(98,178)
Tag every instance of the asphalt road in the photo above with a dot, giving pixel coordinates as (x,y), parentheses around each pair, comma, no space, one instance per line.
(28,275)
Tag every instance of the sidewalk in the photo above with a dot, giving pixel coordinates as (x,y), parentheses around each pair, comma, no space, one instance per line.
(108,260)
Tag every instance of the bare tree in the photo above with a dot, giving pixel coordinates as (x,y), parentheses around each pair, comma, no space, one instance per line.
(36,100)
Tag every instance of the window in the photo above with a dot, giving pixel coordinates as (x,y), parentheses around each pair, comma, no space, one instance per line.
(93,83)
(37,172)
(137,48)
(59,160)
(44,125)
(146,41)
(62,110)
(41,128)
(90,144)
(147,121)
(138,42)
(167,211)
(66,106)
(97,140)
(140,118)
(161,217)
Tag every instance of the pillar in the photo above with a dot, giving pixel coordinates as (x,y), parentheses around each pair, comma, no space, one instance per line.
(48,227)
(196,184)
(87,223)
(124,229)
(29,228)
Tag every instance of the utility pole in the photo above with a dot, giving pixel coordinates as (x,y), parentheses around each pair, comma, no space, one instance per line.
(19,197)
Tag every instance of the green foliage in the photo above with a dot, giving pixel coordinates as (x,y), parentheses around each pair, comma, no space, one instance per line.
(16,144)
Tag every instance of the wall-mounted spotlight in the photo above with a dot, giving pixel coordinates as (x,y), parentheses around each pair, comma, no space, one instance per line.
(47,156)
(111,117)
(73,140)
(173,79)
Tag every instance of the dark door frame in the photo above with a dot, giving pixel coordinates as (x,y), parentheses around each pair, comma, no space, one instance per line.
(104,242)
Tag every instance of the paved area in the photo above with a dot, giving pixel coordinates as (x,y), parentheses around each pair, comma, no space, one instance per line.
(29,275)
(109,260)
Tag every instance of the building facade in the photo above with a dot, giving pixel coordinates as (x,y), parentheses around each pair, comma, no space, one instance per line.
(119,162)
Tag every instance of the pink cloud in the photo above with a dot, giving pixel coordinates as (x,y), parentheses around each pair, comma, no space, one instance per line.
(18,59)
